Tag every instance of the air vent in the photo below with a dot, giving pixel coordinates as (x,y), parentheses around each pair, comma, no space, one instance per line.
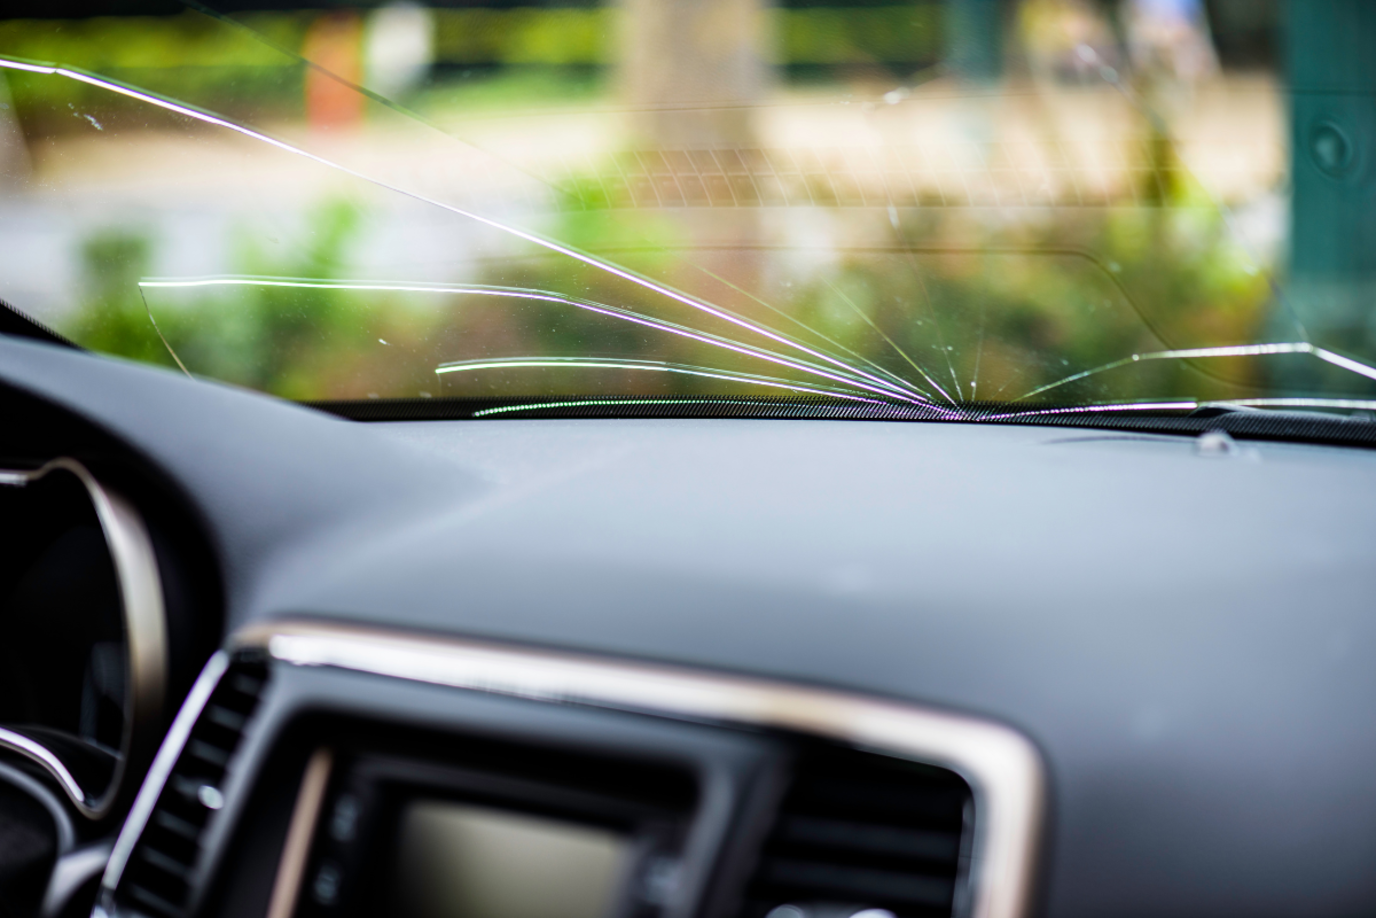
(157,881)
(859,831)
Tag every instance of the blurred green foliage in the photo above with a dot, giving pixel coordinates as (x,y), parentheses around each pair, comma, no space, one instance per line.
(113,317)
(910,33)
(251,69)
(986,311)
(140,42)
(277,339)
(1009,308)
(190,56)
(525,35)
(526,87)
(294,342)
(985,317)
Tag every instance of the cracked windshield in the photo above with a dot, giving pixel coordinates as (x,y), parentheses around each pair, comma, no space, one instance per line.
(963,209)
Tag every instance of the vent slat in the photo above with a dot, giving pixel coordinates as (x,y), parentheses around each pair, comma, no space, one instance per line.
(226,718)
(860,830)
(866,837)
(187,788)
(204,751)
(158,878)
(861,883)
(245,684)
(154,901)
(176,825)
(166,863)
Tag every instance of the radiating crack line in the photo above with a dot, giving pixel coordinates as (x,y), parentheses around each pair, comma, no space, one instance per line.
(1105,268)
(885,379)
(362,90)
(549,244)
(1189,405)
(536,295)
(1236,350)
(897,225)
(1351,404)
(1111,76)
(585,363)
(917,273)
(902,353)
(610,402)
(1018,373)
(927,298)
(979,348)
(795,320)
(1336,403)
(161,336)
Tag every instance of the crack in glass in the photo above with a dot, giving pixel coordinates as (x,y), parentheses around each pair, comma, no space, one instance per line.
(918,246)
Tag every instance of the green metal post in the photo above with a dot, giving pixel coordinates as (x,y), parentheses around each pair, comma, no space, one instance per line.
(1331,52)
(974,30)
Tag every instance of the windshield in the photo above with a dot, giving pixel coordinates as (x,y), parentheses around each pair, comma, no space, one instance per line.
(970,208)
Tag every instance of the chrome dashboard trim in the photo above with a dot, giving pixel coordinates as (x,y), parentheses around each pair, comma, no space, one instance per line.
(35,751)
(141,600)
(291,867)
(162,766)
(1003,768)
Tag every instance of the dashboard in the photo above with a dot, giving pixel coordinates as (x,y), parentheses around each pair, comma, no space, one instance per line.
(264,661)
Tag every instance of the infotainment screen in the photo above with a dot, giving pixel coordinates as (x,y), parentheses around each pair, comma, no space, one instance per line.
(457,860)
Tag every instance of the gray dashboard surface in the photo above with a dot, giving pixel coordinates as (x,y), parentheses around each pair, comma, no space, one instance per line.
(1188,639)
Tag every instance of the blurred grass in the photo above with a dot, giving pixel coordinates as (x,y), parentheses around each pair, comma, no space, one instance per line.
(474,90)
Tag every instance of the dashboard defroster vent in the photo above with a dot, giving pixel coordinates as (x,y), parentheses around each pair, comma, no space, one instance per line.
(158,879)
(859,831)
